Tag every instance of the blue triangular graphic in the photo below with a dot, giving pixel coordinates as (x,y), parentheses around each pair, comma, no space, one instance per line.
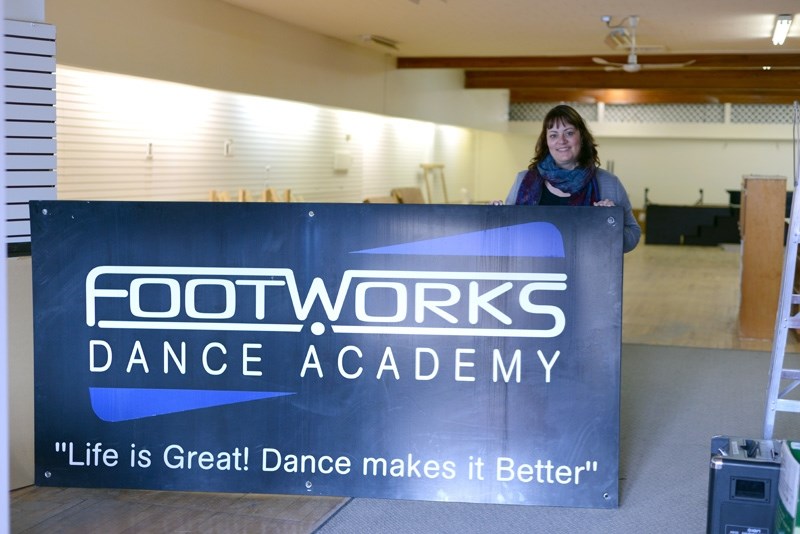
(535,239)
(124,404)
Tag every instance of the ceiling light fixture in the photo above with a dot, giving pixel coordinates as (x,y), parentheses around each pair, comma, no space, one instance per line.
(782,25)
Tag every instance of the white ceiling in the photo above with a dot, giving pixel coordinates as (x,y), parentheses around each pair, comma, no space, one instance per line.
(464,28)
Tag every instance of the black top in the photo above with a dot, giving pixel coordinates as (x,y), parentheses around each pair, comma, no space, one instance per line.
(549,199)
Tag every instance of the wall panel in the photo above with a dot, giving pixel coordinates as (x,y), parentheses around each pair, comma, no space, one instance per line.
(127,138)
(30,130)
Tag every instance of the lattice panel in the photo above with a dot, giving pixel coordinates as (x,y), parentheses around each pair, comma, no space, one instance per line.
(762,114)
(663,113)
(660,113)
(536,111)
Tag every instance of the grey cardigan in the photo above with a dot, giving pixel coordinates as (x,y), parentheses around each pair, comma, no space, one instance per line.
(610,189)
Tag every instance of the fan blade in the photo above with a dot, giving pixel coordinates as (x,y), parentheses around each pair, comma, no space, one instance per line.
(667,65)
(606,63)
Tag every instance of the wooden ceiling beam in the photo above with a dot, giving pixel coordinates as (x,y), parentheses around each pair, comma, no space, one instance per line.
(754,81)
(731,78)
(701,61)
(650,96)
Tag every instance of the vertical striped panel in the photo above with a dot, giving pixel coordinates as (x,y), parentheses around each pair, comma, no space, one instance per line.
(128,138)
(30,127)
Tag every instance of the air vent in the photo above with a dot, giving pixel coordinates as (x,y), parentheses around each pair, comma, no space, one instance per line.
(380,40)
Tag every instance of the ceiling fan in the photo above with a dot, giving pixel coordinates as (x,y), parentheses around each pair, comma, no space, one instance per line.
(632,64)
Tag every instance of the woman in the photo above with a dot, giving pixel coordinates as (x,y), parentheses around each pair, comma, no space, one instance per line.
(565,172)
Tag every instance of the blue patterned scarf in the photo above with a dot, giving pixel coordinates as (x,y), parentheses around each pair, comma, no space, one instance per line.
(580,183)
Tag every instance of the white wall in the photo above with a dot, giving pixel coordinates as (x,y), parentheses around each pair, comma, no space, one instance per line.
(675,170)
(20,356)
(674,161)
(208,43)
(499,158)
(129,138)
(439,96)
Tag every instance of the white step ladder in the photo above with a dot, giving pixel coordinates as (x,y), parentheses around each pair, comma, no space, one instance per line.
(779,376)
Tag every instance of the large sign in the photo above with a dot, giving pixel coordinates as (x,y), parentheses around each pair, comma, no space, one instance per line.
(448,353)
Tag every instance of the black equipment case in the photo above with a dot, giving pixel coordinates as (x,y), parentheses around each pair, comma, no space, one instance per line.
(743,485)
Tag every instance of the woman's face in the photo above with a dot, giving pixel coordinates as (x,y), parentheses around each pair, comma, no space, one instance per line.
(564,143)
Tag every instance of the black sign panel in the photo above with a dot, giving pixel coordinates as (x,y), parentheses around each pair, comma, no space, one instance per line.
(433,352)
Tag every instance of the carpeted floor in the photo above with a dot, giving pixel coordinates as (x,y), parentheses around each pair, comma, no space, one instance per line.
(673,401)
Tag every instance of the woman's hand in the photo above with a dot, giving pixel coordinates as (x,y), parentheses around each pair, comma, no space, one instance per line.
(605,202)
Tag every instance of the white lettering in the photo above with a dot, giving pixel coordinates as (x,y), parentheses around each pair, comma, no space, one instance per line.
(489,304)
(500,365)
(137,357)
(169,353)
(174,297)
(206,351)
(176,457)
(211,357)
(93,368)
(401,302)
(230,299)
(481,302)
(460,364)
(311,362)
(526,304)
(260,292)
(342,371)
(388,364)
(548,365)
(273,460)
(247,359)
(418,365)
(424,303)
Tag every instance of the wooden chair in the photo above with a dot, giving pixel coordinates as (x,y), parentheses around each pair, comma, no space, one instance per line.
(243,195)
(270,195)
(218,196)
(381,200)
(408,195)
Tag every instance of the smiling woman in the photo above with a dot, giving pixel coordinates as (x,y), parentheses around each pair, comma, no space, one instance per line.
(565,172)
